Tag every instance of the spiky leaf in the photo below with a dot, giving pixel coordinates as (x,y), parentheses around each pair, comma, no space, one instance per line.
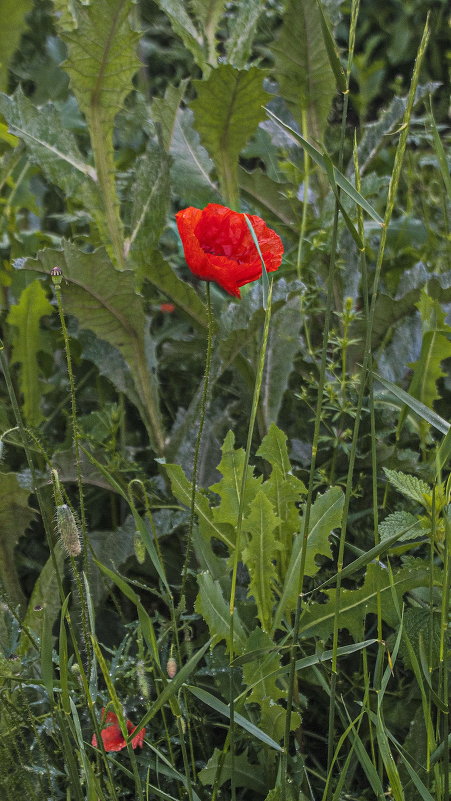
(227,110)
(302,68)
(15,517)
(229,487)
(242,28)
(258,556)
(211,604)
(256,674)
(104,300)
(245,774)
(184,27)
(28,340)
(14,13)
(325,515)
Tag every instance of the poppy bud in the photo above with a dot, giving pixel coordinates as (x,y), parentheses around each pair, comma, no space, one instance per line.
(57,275)
(68,530)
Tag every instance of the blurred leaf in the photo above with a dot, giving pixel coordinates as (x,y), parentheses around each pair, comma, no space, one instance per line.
(162,276)
(269,196)
(14,13)
(302,67)
(26,344)
(111,548)
(261,523)
(184,27)
(45,593)
(104,301)
(191,164)
(164,110)
(48,142)
(15,517)
(211,604)
(150,192)
(227,110)
(283,344)
(242,29)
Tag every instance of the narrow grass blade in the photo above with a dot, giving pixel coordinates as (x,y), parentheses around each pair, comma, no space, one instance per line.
(340,179)
(223,709)
(265,279)
(414,405)
(440,152)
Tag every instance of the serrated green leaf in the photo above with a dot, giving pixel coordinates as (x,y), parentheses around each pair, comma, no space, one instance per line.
(101,63)
(228,488)
(302,68)
(356,604)
(15,517)
(325,515)
(191,164)
(27,341)
(208,527)
(211,604)
(245,774)
(150,192)
(242,29)
(259,672)
(397,521)
(227,110)
(273,717)
(104,300)
(259,554)
(48,142)
(184,27)
(410,486)
(13,25)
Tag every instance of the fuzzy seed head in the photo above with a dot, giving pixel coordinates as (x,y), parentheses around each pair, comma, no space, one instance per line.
(171,667)
(68,530)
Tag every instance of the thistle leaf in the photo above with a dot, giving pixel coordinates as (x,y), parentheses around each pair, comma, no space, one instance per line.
(227,110)
(229,487)
(211,604)
(259,554)
(302,67)
(104,300)
(27,341)
(164,111)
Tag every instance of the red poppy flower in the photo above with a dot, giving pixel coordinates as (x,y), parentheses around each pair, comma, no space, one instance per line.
(112,737)
(168,308)
(219,247)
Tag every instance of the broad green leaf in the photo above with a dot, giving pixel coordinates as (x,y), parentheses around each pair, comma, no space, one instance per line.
(15,517)
(400,520)
(302,67)
(271,198)
(356,604)
(227,110)
(208,527)
(242,29)
(14,14)
(240,720)
(48,142)
(156,270)
(319,159)
(245,774)
(45,594)
(191,164)
(410,486)
(101,64)
(435,347)
(283,345)
(273,448)
(104,300)
(150,192)
(27,341)
(184,27)
(211,604)
(325,515)
(259,554)
(260,673)
(229,487)
(273,717)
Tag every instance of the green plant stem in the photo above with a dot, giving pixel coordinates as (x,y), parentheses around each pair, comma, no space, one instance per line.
(306,186)
(76,439)
(203,410)
(239,522)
